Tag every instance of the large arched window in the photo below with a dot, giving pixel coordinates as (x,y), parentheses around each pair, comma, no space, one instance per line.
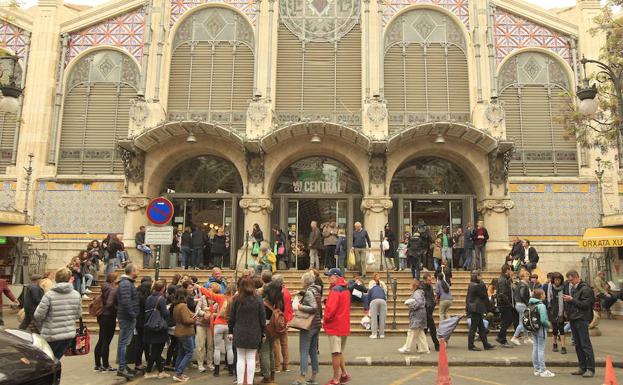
(534,90)
(430,175)
(319,62)
(96,113)
(204,174)
(8,121)
(425,70)
(211,76)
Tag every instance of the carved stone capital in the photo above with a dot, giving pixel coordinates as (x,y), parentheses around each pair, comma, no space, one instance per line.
(376,205)
(377,112)
(499,166)
(133,202)
(133,164)
(258,111)
(256,205)
(496,205)
(255,169)
(495,113)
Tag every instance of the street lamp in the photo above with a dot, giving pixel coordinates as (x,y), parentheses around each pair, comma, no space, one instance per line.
(599,173)
(587,93)
(10,90)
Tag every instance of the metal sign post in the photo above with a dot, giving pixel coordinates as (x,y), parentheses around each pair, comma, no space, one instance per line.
(161,235)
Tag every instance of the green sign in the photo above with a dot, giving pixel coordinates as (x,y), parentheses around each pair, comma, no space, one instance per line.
(2,240)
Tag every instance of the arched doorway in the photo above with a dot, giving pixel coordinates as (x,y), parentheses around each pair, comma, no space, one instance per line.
(205,191)
(317,189)
(433,190)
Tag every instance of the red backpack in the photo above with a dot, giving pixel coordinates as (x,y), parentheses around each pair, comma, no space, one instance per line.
(277,325)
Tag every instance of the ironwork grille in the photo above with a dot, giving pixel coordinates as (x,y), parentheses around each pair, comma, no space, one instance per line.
(8,128)
(96,113)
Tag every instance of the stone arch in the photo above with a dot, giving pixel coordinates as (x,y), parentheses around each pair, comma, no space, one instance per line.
(164,158)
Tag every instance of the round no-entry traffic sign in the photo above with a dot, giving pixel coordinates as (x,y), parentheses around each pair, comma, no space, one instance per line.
(160,211)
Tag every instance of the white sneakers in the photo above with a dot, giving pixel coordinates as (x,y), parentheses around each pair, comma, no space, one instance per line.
(404,350)
(373,336)
(547,373)
(201,369)
(163,375)
(88,291)
(181,378)
(150,375)
(84,296)
(516,341)
(528,340)
(382,336)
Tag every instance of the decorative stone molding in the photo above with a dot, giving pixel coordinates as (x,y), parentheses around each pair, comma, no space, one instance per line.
(376,205)
(258,111)
(496,205)
(256,205)
(255,169)
(377,112)
(377,169)
(133,164)
(499,166)
(139,112)
(495,113)
(133,203)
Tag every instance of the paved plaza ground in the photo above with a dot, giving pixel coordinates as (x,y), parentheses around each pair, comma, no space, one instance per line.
(379,360)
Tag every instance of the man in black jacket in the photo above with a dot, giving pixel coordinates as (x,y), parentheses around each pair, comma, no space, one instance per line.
(529,256)
(579,307)
(504,294)
(430,307)
(476,305)
(127,312)
(32,296)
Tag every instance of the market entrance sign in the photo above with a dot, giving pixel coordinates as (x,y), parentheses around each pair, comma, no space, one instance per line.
(598,237)
(317,187)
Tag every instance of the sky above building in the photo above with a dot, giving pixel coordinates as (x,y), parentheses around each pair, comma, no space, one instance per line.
(542,3)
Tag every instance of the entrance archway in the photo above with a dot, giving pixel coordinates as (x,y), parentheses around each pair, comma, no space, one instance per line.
(205,191)
(319,189)
(432,190)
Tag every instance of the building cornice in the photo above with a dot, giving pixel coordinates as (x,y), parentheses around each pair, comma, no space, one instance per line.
(103,12)
(538,15)
(17,17)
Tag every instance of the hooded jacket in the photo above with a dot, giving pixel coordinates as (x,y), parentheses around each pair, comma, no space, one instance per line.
(337,310)
(58,311)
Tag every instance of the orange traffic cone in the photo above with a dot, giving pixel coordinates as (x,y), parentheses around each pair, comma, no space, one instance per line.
(443,371)
(610,378)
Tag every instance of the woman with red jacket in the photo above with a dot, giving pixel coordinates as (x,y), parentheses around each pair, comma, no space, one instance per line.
(222,344)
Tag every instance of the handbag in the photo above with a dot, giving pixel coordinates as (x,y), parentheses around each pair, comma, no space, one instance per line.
(281,250)
(370,258)
(154,321)
(351,260)
(385,245)
(302,320)
(256,248)
(80,344)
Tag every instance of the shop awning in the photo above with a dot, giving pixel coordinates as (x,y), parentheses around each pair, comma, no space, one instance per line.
(602,237)
(20,231)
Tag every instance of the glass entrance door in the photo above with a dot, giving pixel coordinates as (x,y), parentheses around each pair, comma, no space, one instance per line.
(300,214)
(435,212)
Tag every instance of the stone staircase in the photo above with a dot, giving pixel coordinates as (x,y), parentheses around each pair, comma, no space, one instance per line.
(292,279)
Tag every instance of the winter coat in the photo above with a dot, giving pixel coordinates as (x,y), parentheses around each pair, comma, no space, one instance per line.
(221,282)
(127,299)
(312,304)
(522,292)
(288,312)
(474,236)
(32,298)
(247,322)
(340,246)
(505,292)
(467,239)
(315,239)
(361,239)
(477,299)
(58,311)
(329,235)
(220,318)
(581,307)
(156,300)
(198,240)
(429,295)
(184,321)
(186,240)
(542,312)
(218,245)
(337,310)
(417,310)
(109,303)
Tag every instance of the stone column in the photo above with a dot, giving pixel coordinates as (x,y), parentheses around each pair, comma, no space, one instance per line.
(257,209)
(494,211)
(375,213)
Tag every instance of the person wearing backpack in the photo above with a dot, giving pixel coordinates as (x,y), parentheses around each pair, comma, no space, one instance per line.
(522,297)
(538,323)
(276,325)
(444,295)
(107,321)
(155,332)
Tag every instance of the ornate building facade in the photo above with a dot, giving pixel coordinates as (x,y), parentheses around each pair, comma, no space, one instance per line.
(281,112)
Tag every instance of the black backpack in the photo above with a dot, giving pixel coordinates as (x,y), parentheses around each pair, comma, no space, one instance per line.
(532,318)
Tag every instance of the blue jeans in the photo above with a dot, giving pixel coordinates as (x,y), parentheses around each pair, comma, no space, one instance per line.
(520,307)
(538,350)
(126,331)
(185,348)
(469,253)
(78,284)
(59,347)
(446,254)
(110,265)
(146,255)
(308,346)
(197,254)
(187,254)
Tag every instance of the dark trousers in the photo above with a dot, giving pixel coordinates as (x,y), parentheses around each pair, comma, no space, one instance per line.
(415,267)
(583,346)
(139,348)
(458,258)
(28,322)
(107,326)
(477,324)
(430,324)
(172,352)
(515,318)
(506,315)
(217,260)
(154,356)
(59,347)
(329,256)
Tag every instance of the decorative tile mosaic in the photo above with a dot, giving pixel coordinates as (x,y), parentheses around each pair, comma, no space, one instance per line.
(459,7)
(248,7)
(554,214)
(79,208)
(14,38)
(513,32)
(7,196)
(123,31)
